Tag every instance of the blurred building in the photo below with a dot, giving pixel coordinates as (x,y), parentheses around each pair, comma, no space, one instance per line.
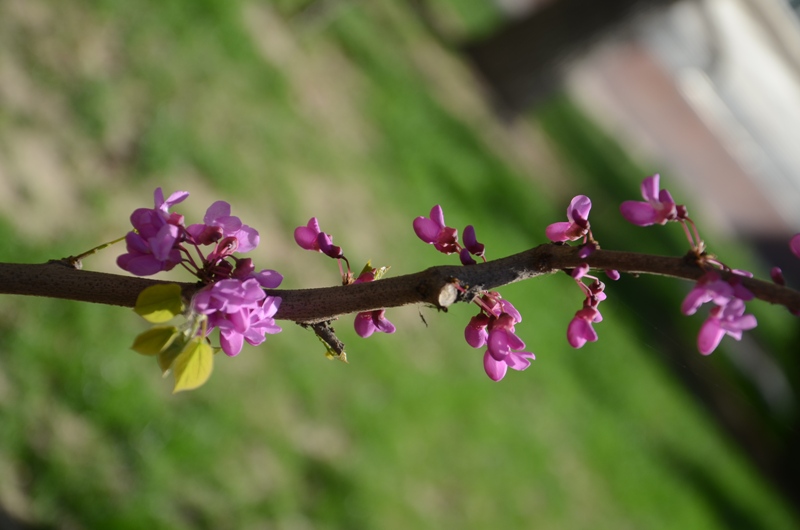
(707,89)
(710,88)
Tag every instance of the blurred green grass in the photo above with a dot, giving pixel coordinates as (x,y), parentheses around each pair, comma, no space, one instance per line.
(288,117)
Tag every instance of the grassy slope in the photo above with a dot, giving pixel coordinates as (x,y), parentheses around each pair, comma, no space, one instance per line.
(411,433)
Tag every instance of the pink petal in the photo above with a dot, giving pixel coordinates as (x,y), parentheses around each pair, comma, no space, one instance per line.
(475,337)
(496,370)
(638,213)
(248,239)
(175,198)
(363,324)
(426,229)
(710,335)
(519,360)
(231,342)
(437,216)
(579,208)
(305,237)
(498,344)
(219,209)
(268,279)
(650,188)
(557,231)
(382,324)
(579,332)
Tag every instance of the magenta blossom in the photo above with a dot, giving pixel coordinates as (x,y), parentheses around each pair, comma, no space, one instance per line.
(153,245)
(712,288)
(268,278)
(471,242)
(368,322)
(475,333)
(433,231)
(724,320)
(577,225)
(240,309)
(580,330)
(504,348)
(310,237)
(218,223)
(659,208)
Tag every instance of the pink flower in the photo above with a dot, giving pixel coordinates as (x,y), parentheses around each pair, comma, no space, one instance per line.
(712,288)
(153,246)
(219,224)
(580,330)
(310,237)
(240,309)
(728,319)
(471,242)
(658,209)
(496,370)
(475,333)
(504,348)
(709,288)
(577,225)
(433,231)
(368,322)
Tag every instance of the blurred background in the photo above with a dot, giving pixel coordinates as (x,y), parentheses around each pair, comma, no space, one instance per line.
(365,114)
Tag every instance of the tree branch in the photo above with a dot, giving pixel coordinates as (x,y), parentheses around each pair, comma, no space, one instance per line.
(437,286)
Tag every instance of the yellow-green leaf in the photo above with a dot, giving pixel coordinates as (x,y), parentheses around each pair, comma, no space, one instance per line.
(193,366)
(154,340)
(380,272)
(159,303)
(170,353)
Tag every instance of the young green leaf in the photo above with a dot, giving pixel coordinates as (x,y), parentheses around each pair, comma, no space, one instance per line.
(167,356)
(159,303)
(193,366)
(154,340)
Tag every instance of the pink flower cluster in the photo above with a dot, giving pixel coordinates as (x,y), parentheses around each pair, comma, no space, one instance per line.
(240,309)
(493,326)
(232,299)
(728,295)
(310,237)
(580,329)
(727,317)
(433,231)
(658,208)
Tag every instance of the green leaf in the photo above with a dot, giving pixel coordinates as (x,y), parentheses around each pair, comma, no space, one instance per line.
(380,272)
(159,303)
(193,366)
(171,352)
(367,268)
(154,340)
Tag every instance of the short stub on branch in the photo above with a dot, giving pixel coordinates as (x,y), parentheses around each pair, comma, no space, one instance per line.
(448,295)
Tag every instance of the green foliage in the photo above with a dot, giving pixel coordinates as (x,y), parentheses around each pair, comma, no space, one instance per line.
(155,340)
(159,303)
(193,366)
